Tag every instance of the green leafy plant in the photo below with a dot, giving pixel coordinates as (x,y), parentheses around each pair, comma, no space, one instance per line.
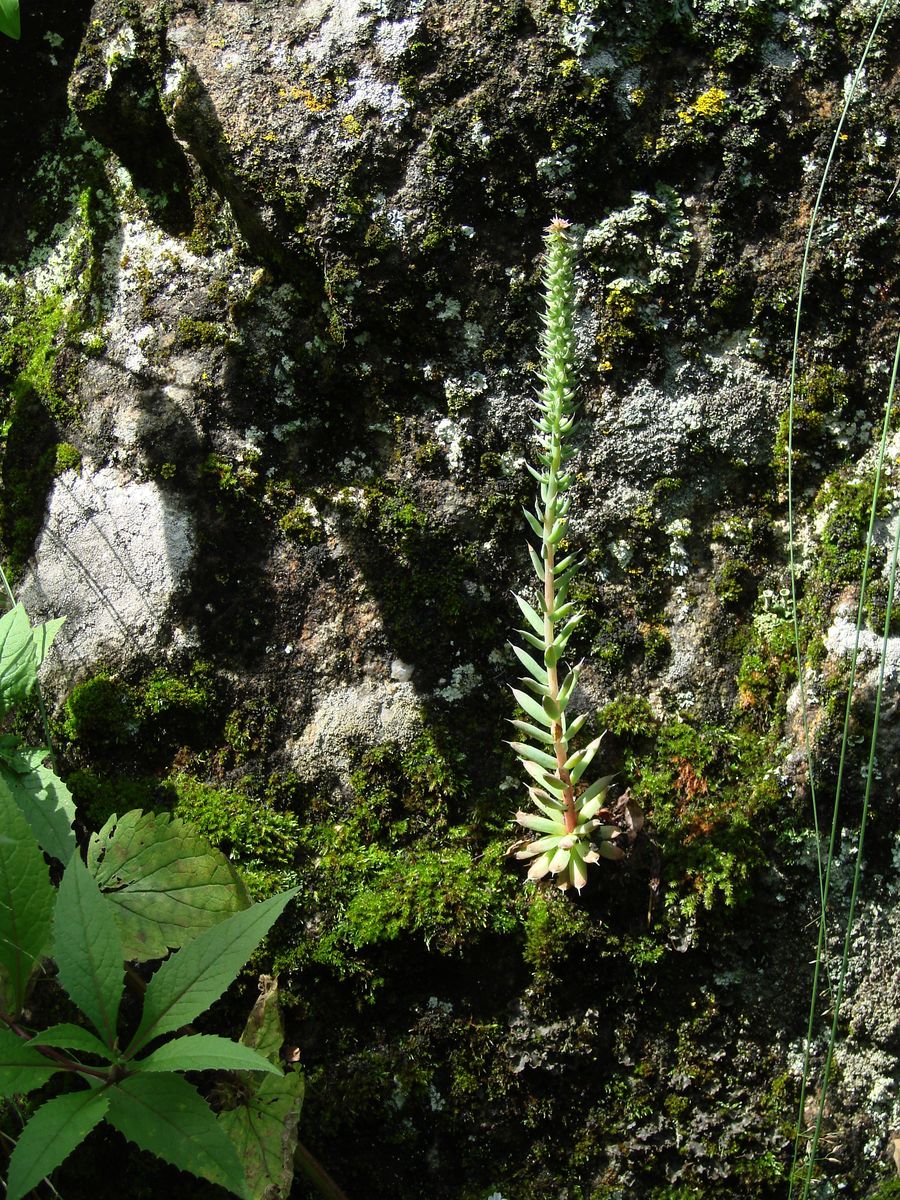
(571,821)
(140,1094)
(9,18)
(150,883)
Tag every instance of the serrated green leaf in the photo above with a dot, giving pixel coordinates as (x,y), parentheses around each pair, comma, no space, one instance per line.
(532,754)
(167,884)
(165,1115)
(531,707)
(18,660)
(27,898)
(194,978)
(44,801)
(72,1037)
(263,1127)
(205,1052)
(50,1137)
(88,949)
(22,1067)
(9,18)
(44,634)
(533,668)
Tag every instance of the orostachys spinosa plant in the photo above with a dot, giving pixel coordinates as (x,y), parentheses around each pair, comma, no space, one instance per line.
(568,817)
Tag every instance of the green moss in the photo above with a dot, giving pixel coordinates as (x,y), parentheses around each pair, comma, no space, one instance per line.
(734,583)
(554,927)
(195,334)
(100,713)
(302,526)
(629,716)
(821,398)
(103,715)
(842,546)
(98,797)
(68,458)
(260,839)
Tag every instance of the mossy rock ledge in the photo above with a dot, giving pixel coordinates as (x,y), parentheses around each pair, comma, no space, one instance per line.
(269,293)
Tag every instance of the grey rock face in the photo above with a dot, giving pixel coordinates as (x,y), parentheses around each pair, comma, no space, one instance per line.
(109,557)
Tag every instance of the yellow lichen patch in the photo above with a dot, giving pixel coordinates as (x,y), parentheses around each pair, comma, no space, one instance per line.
(351,125)
(300,92)
(710,103)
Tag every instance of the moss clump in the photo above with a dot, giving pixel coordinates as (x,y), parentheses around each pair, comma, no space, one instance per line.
(97,797)
(842,547)
(821,400)
(302,526)
(554,927)
(629,716)
(100,713)
(68,458)
(104,715)
(194,334)
(247,827)
(734,583)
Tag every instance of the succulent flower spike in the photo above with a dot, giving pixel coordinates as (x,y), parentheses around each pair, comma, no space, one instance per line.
(568,820)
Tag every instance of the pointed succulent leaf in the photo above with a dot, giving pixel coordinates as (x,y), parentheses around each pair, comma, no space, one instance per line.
(534,669)
(539,868)
(575,726)
(205,1052)
(544,845)
(165,1115)
(541,824)
(552,709)
(165,881)
(550,806)
(536,689)
(9,19)
(22,1067)
(534,523)
(588,757)
(88,949)
(534,755)
(567,687)
(535,620)
(532,731)
(50,1137)
(537,563)
(191,980)
(596,789)
(542,776)
(560,859)
(532,639)
(27,898)
(532,707)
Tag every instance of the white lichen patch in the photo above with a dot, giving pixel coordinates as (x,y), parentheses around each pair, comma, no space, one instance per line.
(110,555)
(363,714)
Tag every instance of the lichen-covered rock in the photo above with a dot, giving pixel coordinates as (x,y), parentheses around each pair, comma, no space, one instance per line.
(268,278)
